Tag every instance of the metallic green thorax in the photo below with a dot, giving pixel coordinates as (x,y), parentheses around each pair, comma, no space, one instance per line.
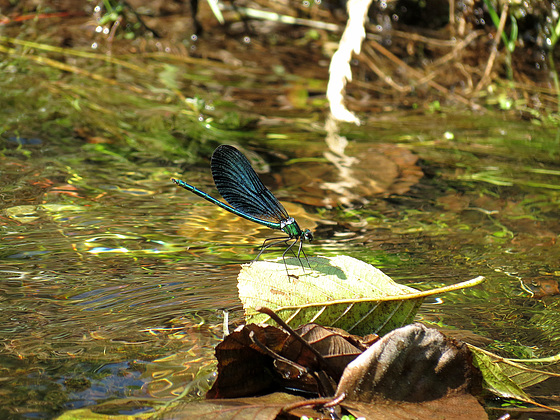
(292,229)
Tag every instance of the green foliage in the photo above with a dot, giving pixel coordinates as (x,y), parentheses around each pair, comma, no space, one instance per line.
(434,106)
(508,379)
(112,12)
(508,402)
(509,41)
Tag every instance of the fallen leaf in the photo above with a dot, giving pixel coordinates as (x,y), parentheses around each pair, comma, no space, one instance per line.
(340,292)
(508,378)
(412,363)
(257,359)
(452,407)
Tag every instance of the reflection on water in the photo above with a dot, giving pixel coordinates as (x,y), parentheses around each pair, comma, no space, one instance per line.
(88,314)
(88,331)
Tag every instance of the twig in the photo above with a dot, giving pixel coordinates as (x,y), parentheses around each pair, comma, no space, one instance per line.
(271,16)
(325,402)
(494,52)
(140,20)
(458,47)
(74,52)
(324,364)
(418,75)
(383,76)
(72,69)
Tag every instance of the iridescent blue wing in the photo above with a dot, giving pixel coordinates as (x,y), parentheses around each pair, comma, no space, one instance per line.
(240,186)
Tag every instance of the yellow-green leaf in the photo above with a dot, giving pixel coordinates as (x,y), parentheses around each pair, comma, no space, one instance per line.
(507,378)
(340,292)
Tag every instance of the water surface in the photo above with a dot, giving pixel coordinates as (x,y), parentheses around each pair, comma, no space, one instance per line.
(114,281)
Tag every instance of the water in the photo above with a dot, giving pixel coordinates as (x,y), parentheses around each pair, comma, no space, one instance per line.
(114,283)
(114,280)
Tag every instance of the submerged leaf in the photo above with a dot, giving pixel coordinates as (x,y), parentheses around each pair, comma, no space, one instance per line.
(340,292)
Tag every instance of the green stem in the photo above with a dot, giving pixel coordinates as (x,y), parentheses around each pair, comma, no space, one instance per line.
(554,75)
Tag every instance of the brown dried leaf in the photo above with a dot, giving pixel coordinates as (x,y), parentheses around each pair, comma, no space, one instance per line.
(337,347)
(246,369)
(262,408)
(452,407)
(384,169)
(413,363)
(243,368)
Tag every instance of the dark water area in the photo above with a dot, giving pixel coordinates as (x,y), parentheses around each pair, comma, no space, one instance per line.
(114,281)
